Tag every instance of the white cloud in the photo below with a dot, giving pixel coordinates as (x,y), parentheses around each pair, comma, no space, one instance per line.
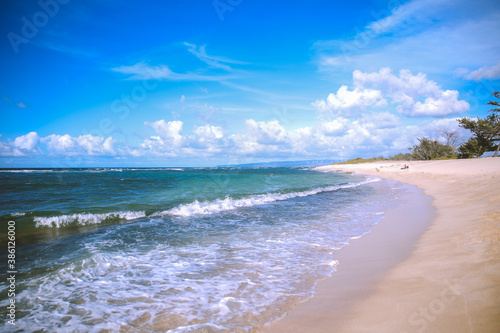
(107,146)
(372,135)
(95,145)
(413,95)
(268,133)
(486,72)
(409,13)
(445,104)
(26,144)
(263,138)
(209,132)
(335,128)
(208,137)
(345,101)
(60,144)
(143,71)
(212,61)
(156,146)
(406,90)
(171,142)
(382,120)
(169,132)
(432,39)
(352,138)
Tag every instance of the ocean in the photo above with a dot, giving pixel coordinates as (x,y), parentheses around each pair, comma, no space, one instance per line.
(175,249)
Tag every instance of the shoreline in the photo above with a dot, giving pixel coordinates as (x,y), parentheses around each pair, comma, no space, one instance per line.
(448,282)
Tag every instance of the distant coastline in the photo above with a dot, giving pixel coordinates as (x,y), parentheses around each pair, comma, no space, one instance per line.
(282,164)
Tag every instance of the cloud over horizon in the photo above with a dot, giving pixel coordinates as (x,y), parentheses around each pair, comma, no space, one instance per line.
(413,96)
(326,80)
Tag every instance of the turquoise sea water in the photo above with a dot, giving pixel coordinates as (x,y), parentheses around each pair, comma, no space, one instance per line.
(176,249)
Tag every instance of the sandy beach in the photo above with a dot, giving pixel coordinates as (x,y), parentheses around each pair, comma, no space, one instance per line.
(412,276)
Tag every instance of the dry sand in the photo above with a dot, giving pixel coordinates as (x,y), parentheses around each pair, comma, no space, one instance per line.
(448,282)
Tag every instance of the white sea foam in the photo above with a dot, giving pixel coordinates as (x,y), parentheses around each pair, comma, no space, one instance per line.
(85,218)
(220,205)
(194,208)
(245,274)
(104,170)
(18,214)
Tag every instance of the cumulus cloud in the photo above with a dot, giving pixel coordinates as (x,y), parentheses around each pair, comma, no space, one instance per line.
(374,134)
(95,145)
(265,138)
(27,142)
(170,141)
(382,120)
(208,136)
(170,131)
(335,128)
(444,104)
(209,132)
(486,72)
(58,145)
(268,133)
(407,90)
(345,101)
(83,144)
(413,95)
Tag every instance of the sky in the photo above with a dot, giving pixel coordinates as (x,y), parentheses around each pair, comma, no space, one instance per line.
(202,83)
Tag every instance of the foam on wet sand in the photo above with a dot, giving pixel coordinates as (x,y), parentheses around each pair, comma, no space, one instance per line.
(444,278)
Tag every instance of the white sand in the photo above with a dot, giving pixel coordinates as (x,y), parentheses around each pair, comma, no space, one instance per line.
(449,283)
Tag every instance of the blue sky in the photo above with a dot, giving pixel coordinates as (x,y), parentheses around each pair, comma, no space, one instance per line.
(201,83)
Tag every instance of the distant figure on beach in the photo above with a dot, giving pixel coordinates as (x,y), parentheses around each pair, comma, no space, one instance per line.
(405,167)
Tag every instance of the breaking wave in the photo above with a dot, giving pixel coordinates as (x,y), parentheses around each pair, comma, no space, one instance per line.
(220,205)
(85,218)
(189,209)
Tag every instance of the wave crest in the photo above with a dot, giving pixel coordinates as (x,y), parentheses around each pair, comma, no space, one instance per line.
(220,205)
(194,208)
(85,218)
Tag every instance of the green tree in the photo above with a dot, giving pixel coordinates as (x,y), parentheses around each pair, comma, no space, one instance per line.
(430,150)
(495,103)
(475,147)
(482,139)
(496,126)
(485,132)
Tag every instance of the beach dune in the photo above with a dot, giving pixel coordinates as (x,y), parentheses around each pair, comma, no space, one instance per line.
(440,277)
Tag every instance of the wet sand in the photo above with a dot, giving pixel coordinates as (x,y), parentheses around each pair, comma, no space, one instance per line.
(407,277)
